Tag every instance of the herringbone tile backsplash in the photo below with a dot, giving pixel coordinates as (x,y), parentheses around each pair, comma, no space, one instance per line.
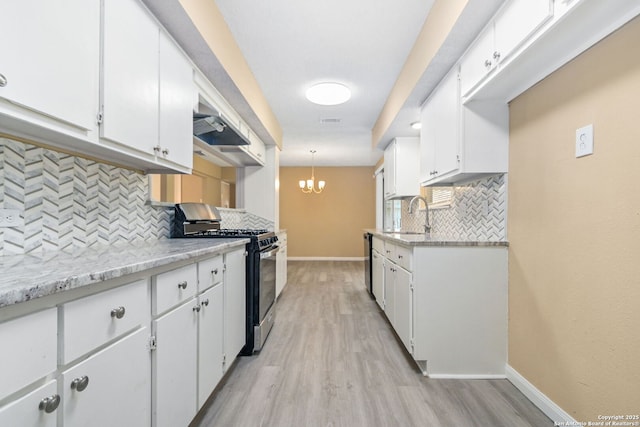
(477,212)
(68,202)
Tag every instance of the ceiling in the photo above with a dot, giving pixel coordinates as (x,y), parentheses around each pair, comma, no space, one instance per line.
(290,45)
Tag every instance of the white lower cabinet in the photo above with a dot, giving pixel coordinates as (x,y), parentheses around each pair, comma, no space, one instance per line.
(403,321)
(174,367)
(447,304)
(235,303)
(146,353)
(32,353)
(390,291)
(36,409)
(210,341)
(111,387)
(377,269)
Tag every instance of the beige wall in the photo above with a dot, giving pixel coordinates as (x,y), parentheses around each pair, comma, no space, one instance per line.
(574,232)
(329,224)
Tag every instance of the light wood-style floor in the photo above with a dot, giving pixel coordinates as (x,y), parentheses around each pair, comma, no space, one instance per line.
(333,360)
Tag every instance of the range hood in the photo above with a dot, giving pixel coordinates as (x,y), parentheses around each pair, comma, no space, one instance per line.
(214,130)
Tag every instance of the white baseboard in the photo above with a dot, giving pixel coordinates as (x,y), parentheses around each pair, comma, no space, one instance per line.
(467,376)
(546,405)
(320,258)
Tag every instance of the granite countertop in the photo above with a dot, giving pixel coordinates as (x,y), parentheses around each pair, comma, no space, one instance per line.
(422,239)
(30,276)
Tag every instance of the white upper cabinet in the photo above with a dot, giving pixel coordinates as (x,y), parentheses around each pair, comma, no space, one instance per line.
(511,26)
(50,63)
(439,136)
(176,98)
(130,77)
(401,168)
(461,142)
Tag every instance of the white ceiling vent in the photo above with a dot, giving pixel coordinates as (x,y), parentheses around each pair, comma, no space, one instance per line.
(329,121)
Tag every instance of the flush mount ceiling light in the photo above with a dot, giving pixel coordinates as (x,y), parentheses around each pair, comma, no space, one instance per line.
(416,125)
(328,93)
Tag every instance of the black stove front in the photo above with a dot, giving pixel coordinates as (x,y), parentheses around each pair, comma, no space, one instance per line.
(260,271)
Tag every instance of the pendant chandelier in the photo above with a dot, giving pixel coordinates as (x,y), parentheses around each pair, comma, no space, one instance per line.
(309,186)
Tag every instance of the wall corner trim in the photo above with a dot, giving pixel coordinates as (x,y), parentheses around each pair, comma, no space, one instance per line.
(546,405)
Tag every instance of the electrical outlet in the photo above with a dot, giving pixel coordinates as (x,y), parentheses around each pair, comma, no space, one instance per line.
(10,218)
(584,141)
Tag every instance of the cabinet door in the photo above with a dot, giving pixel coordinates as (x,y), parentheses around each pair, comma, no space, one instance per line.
(390,291)
(235,303)
(32,353)
(429,119)
(404,307)
(377,267)
(478,61)
(210,341)
(447,124)
(51,58)
(174,367)
(110,388)
(26,412)
(176,109)
(390,170)
(517,21)
(130,76)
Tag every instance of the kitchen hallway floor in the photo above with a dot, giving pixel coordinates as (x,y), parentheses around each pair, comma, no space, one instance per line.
(333,360)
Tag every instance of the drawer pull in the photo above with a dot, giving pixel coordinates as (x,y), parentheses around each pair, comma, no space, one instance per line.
(399,256)
(49,404)
(197,308)
(205,302)
(214,271)
(182,285)
(79,384)
(118,313)
(165,151)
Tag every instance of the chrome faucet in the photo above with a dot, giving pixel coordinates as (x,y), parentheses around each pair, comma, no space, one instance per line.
(427,227)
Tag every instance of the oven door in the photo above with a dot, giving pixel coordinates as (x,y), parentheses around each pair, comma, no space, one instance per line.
(266,296)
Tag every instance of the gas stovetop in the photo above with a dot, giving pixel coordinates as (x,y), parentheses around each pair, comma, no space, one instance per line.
(263,237)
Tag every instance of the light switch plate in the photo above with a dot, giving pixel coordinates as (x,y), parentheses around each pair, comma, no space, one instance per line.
(10,218)
(584,141)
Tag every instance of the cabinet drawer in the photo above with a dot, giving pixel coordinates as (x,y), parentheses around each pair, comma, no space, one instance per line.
(378,245)
(173,287)
(402,257)
(25,410)
(97,319)
(32,353)
(210,272)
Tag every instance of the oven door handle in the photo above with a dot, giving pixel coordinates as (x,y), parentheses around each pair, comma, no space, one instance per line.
(270,253)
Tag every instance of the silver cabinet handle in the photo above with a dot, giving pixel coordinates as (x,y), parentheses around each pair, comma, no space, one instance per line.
(49,404)
(3,80)
(157,148)
(205,302)
(182,285)
(79,384)
(118,313)
(399,256)
(487,63)
(214,271)
(165,151)
(197,308)
(496,55)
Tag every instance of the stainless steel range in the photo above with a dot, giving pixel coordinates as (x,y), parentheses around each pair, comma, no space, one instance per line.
(197,220)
